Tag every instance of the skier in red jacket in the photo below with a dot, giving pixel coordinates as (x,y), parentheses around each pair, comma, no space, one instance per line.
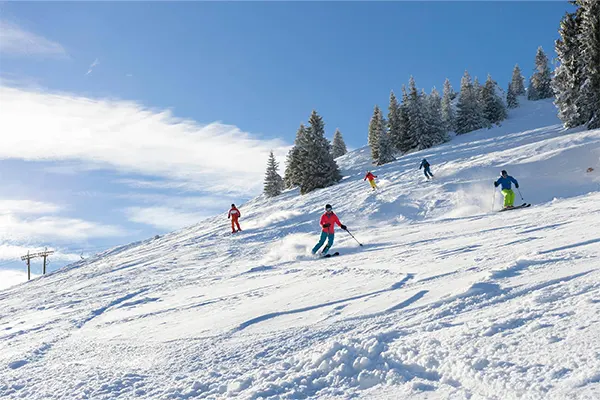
(234,215)
(371,179)
(327,223)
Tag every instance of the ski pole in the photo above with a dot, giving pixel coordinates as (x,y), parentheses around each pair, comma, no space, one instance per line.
(354,237)
(493,199)
(520,194)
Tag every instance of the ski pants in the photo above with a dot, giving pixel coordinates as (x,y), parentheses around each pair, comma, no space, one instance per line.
(373,185)
(509,197)
(234,222)
(324,236)
(428,173)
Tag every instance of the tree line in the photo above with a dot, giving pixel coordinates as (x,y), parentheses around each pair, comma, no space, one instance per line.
(419,120)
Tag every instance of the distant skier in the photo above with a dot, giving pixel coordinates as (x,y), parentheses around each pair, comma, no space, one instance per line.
(327,223)
(425,164)
(509,196)
(371,179)
(234,215)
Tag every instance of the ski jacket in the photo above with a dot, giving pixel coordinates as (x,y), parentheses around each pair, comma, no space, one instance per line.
(369,176)
(424,163)
(234,213)
(329,219)
(506,182)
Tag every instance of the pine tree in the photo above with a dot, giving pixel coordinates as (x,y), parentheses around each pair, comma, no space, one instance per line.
(273,181)
(590,50)
(448,115)
(469,116)
(319,169)
(568,74)
(512,101)
(517,82)
(417,124)
(293,169)
(406,141)
(540,86)
(485,123)
(338,147)
(436,127)
(375,128)
(394,122)
(494,109)
(386,148)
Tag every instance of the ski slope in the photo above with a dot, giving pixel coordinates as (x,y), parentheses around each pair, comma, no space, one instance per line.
(446,299)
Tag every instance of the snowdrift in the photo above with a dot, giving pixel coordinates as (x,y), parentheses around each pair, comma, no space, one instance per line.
(446,299)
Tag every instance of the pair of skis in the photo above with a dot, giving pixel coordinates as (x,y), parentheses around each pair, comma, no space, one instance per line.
(524,205)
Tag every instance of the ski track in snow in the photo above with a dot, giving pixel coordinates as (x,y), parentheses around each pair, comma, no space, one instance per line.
(446,299)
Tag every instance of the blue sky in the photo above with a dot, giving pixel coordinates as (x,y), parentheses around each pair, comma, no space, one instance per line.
(244,74)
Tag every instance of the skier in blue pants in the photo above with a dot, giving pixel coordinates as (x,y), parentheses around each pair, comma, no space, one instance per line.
(425,164)
(327,222)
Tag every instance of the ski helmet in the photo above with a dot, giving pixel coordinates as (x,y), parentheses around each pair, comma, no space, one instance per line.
(504,172)
(328,207)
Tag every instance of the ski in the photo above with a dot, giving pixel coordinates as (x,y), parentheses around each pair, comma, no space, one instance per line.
(331,255)
(524,205)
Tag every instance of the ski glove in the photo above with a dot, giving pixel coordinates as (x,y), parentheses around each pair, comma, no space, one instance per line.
(496,184)
(326,225)
(517,185)
(343,227)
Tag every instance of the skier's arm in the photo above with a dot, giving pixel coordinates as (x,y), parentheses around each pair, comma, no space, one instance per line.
(229,214)
(515,182)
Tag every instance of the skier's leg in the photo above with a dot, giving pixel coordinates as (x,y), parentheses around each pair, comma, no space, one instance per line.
(373,184)
(511,198)
(329,243)
(237,223)
(321,241)
(506,194)
(232,225)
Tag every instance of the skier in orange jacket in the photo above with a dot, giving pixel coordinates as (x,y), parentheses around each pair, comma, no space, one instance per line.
(234,215)
(371,179)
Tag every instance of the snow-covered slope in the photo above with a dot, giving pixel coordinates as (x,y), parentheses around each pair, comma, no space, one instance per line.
(446,299)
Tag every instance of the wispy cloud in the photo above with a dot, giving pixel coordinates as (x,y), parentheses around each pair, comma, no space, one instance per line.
(164,217)
(18,42)
(126,137)
(92,65)
(27,207)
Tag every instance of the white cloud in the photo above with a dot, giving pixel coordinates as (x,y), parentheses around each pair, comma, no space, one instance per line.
(164,217)
(50,228)
(15,252)
(17,41)
(27,207)
(91,67)
(127,137)
(10,277)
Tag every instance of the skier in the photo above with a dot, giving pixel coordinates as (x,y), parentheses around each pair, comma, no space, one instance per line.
(234,215)
(509,196)
(371,179)
(327,222)
(425,164)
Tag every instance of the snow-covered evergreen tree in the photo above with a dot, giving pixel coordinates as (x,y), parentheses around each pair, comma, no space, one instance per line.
(494,109)
(469,115)
(540,86)
(590,51)
(518,82)
(417,124)
(293,169)
(485,123)
(448,114)
(338,146)
(386,148)
(273,185)
(375,128)
(406,141)
(437,131)
(319,169)
(512,101)
(394,121)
